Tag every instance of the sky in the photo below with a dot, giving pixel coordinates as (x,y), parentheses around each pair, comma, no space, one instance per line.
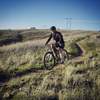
(18,14)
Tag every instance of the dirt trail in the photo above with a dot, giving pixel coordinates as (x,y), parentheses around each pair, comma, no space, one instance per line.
(78,59)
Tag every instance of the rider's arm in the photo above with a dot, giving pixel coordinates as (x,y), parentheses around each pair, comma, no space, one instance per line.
(49,39)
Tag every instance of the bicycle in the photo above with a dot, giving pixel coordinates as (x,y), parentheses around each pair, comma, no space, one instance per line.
(52,58)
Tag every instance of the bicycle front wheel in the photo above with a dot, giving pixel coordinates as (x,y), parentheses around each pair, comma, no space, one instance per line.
(49,60)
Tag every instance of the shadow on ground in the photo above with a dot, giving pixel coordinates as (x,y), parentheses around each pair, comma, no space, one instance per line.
(6,76)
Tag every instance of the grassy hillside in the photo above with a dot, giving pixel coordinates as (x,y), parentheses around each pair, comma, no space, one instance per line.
(23,77)
(26,35)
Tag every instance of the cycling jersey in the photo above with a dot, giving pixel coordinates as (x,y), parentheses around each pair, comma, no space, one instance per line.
(57,36)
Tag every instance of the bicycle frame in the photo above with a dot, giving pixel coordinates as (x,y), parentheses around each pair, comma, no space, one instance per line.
(51,48)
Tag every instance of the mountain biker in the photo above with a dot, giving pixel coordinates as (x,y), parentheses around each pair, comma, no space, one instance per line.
(58,41)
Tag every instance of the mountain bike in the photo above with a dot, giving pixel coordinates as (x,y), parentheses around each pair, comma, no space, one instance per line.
(52,57)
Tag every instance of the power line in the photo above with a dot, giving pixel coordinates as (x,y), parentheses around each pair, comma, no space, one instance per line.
(87,21)
(69,21)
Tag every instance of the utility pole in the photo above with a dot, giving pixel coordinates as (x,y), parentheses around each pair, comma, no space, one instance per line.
(68,23)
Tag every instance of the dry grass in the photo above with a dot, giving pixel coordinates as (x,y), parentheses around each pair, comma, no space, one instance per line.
(75,80)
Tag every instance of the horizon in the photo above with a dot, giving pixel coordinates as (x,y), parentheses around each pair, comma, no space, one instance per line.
(14,29)
(42,14)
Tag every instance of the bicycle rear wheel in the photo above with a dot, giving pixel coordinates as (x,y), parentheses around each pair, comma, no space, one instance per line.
(65,55)
(49,60)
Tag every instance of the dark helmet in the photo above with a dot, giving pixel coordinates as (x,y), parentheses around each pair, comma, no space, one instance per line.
(53,28)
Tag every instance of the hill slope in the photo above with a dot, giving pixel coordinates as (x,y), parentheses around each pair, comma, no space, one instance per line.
(22,75)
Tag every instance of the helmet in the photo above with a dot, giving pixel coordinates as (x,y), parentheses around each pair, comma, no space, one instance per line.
(53,28)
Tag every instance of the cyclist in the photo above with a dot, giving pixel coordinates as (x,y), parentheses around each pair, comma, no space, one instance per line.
(58,41)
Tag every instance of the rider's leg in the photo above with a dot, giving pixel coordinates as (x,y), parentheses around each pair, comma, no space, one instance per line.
(54,50)
(61,55)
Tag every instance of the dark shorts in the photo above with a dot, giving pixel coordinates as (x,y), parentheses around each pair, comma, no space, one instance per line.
(60,45)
